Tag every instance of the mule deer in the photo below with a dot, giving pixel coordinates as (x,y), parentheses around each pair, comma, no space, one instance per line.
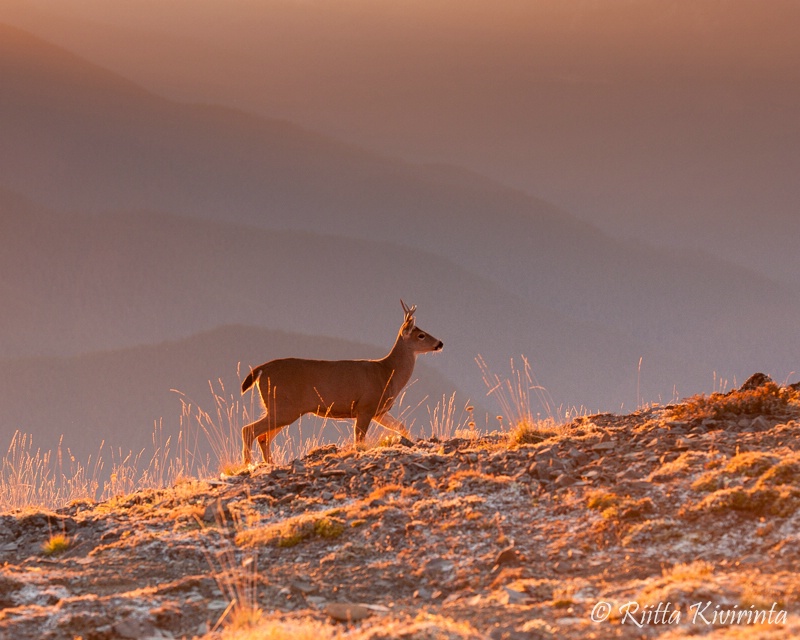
(338,389)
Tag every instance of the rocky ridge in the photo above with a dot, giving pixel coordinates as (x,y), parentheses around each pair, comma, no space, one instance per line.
(665,523)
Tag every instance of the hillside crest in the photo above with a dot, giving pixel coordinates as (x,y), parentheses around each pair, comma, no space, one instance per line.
(669,508)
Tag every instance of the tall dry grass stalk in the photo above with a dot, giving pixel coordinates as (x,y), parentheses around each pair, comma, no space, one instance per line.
(208,444)
(445,420)
(32,478)
(238,581)
(220,429)
(518,396)
(513,394)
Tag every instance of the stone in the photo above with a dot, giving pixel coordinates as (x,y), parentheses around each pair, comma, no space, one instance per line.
(755,381)
(217,511)
(346,612)
(760,423)
(302,586)
(132,628)
(506,557)
(512,596)
(564,480)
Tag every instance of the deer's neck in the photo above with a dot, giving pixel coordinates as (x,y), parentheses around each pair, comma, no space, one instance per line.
(399,365)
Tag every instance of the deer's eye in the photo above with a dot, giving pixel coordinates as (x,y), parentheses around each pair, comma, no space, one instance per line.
(421,336)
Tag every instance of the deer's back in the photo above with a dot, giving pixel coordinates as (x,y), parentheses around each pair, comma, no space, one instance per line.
(309,383)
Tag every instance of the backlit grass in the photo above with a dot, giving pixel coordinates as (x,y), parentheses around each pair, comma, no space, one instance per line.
(768,399)
(56,545)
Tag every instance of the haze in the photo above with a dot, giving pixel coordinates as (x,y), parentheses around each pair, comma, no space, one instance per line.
(585,183)
(674,122)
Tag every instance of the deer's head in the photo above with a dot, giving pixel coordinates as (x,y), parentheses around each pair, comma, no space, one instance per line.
(415,338)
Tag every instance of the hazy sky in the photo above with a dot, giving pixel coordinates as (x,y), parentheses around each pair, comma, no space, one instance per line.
(667,123)
(674,121)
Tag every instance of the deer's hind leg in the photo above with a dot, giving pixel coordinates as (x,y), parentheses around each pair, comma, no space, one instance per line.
(264,443)
(362,426)
(391,423)
(256,430)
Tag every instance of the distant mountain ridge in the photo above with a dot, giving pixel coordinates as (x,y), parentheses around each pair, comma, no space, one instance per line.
(80,283)
(310,234)
(655,121)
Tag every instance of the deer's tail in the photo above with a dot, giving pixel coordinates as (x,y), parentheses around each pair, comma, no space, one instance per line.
(251,378)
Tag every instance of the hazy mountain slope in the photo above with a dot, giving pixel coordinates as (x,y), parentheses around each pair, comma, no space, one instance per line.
(101,282)
(83,138)
(675,123)
(117,396)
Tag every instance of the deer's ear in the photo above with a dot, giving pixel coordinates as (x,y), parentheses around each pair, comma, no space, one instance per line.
(408,327)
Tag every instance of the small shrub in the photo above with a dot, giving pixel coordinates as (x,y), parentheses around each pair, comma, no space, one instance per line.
(768,399)
(294,531)
(601,500)
(652,532)
(56,545)
(757,501)
(615,507)
(527,432)
(677,467)
(709,481)
(475,480)
(785,472)
(750,463)
(328,527)
(635,509)
(697,570)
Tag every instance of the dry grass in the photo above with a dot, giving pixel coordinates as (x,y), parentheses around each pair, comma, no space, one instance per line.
(293,531)
(443,419)
(518,397)
(425,626)
(768,399)
(238,582)
(754,483)
(56,545)
(750,463)
(31,477)
(267,629)
(513,394)
(615,507)
(756,501)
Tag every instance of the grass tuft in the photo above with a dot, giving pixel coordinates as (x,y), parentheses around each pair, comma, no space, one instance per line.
(56,545)
(757,501)
(534,432)
(768,399)
(293,531)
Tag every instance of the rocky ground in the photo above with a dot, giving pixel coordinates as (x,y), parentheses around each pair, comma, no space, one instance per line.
(669,522)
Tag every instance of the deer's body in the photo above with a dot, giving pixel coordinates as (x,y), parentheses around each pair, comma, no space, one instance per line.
(363,390)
